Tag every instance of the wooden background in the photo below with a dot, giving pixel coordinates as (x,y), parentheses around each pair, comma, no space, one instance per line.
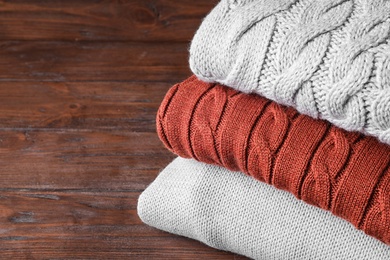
(80,84)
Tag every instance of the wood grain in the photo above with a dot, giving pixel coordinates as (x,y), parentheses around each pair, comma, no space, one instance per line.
(80,84)
(43,224)
(119,160)
(74,105)
(93,61)
(99,20)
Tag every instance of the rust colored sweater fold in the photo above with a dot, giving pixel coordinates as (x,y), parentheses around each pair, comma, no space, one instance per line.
(346,173)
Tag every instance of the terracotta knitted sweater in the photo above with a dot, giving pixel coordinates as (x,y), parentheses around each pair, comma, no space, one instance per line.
(344,172)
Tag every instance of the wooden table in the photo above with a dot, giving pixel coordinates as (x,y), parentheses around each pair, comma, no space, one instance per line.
(80,84)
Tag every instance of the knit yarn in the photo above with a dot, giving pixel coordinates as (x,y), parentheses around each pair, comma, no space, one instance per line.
(329,59)
(344,172)
(234,212)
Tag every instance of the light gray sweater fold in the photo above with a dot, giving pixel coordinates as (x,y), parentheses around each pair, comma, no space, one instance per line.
(330,59)
(233,212)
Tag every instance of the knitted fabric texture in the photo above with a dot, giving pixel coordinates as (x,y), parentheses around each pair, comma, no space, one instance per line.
(233,212)
(329,59)
(344,172)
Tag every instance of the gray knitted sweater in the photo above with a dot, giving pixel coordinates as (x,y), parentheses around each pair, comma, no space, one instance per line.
(234,212)
(329,59)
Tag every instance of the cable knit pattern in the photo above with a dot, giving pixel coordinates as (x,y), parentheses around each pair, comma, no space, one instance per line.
(233,212)
(344,172)
(327,58)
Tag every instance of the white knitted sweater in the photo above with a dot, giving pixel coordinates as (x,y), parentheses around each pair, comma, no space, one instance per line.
(234,212)
(330,59)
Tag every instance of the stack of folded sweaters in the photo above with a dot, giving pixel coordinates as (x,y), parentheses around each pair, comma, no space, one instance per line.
(283,133)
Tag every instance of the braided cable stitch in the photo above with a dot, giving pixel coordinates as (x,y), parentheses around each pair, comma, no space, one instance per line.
(344,172)
(327,58)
